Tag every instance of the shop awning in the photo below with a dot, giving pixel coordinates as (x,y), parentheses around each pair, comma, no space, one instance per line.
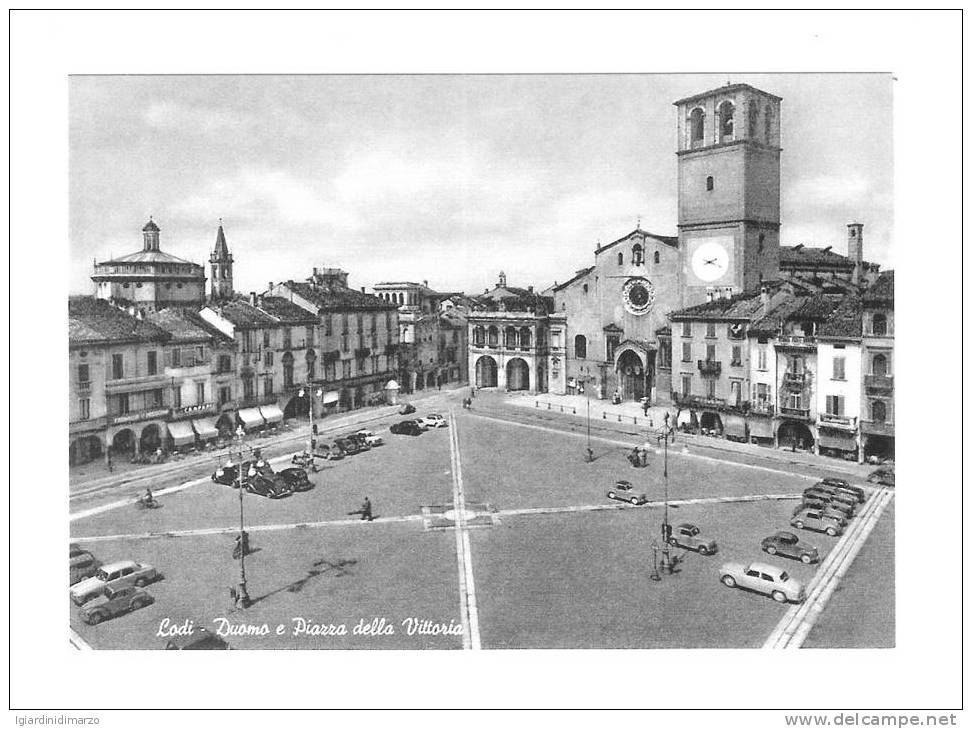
(760,427)
(686,417)
(250,417)
(181,432)
(734,426)
(837,440)
(271,413)
(206,428)
(329,398)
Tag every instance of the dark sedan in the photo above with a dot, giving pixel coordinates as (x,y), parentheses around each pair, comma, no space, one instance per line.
(406,427)
(228,474)
(270,487)
(296,479)
(788,544)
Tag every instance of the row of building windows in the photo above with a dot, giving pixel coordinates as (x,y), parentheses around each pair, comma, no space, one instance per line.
(637,258)
(512,337)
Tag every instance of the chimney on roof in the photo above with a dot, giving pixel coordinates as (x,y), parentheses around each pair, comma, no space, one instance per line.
(425,283)
(253,298)
(709,294)
(362,289)
(502,280)
(260,301)
(764,296)
(855,249)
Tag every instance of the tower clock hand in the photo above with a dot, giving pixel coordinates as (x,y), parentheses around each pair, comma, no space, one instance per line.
(712,262)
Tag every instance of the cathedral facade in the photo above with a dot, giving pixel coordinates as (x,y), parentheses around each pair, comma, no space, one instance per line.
(618,341)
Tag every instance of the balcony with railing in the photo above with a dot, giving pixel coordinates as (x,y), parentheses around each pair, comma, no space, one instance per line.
(123,383)
(879,383)
(794,378)
(762,407)
(710,367)
(838,421)
(797,341)
(83,388)
(797,413)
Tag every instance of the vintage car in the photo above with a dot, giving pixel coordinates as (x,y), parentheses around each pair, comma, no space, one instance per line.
(434,420)
(406,427)
(370,438)
(624,491)
(817,520)
(349,446)
(406,409)
(328,451)
(358,440)
(883,476)
(296,479)
(842,487)
(116,576)
(200,639)
(83,565)
(112,602)
(687,536)
(228,474)
(271,487)
(763,578)
(823,503)
(844,502)
(787,544)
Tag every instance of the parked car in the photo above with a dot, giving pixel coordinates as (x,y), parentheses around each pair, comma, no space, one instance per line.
(228,474)
(763,578)
(687,536)
(845,488)
(296,479)
(624,491)
(76,549)
(835,498)
(406,427)
(200,639)
(116,576)
(83,565)
(370,438)
(883,476)
(787,544)
(821,521)
(271,487)
(824,503)
(349,446)
(406,409)
(329,451)
(434,420)
(358,440)
(112,602)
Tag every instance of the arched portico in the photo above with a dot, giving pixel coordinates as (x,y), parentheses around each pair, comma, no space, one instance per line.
(124,441)
(151,438)
(486,372)
(711,423)
(84,449)
(794,434)
(517,374)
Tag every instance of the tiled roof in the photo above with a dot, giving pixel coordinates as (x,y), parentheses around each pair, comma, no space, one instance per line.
(92,320)
(804,257)
(791,308)
(150,225)
(739,306)
(149,257)
(243,315)
(286,311)
(727,89)
(339,298)
(845,320)
(882,290)
(186,325)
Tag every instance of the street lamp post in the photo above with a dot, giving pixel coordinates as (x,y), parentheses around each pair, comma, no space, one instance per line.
(589,453)
(310,413)
(668,565)
(242,596)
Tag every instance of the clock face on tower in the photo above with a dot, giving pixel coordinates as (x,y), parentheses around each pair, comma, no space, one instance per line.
(639,295)
(710,259)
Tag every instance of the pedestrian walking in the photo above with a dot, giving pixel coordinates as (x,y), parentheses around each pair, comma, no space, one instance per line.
(111,466)
(366,510)
(646,407)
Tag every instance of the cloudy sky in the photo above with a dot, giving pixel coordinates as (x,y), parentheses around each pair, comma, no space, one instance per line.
(444,178)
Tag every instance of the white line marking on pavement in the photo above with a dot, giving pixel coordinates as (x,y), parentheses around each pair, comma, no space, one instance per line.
(78,642)
(530,511)
(795,625)
(161,492)
(207,531)
(671,452)
(467,585)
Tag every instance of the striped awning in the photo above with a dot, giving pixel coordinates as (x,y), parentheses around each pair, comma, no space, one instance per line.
(837,440)
(250,417)
(181,432)
(271,413)
(734,426)
(761,427)
(206,428)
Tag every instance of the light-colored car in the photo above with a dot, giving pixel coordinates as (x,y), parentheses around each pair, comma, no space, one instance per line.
(370,438)
(811,518)
(116,576)
(434,420)
(114,602)
(83,566)
(763,578)
(624,491)
(688,536)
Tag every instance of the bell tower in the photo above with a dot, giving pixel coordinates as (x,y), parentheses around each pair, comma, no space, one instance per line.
(728,191)
(221,265)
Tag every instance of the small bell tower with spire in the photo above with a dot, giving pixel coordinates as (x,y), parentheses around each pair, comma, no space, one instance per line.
(221,263)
